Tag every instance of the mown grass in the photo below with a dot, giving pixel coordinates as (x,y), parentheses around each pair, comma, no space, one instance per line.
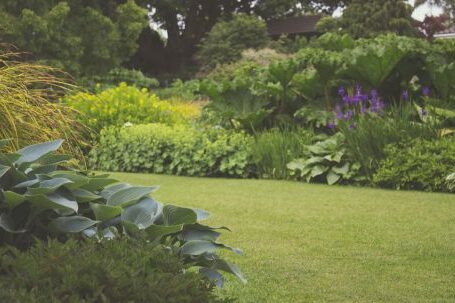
(313,243)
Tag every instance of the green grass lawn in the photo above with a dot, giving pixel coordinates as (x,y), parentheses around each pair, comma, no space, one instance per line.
(314,243)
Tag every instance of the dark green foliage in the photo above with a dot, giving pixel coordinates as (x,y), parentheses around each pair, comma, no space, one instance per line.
(227,39)
(41,198)
(111,271)
(274,149)
(418,165)
(179,150)
(85,38)
(367,141)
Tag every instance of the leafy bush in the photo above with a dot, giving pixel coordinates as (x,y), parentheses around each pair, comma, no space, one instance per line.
(122,104)
(40,198)
(327,161)
(27,111)
(111,271)
(274,149)
(227,39)
(417,164)
(178,150)
(451,182)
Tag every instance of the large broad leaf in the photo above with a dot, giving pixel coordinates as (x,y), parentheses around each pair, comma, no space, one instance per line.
(48,186)
(27,184)
(98,183)
(213,275)
(3,170)
(108,191)
(72,224)
(128,196)
(83,196)
(8,224)
(195,234)
(198,247)
(156,232)
(332,178)
(77,179)
(52,201)
(173,215)
(230,268)
(34,152)
(105,212)
(13,199)
(201,214)
(8,159)
(141,214)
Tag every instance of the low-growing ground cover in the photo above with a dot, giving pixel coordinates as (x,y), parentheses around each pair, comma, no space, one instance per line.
(315,243)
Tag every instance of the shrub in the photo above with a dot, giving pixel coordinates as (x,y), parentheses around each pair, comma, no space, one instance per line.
(122,104)
(327,161)
(27,111)
(120,75)
(179,150)
(417,164)
(227,39)
(111,271)
(41,198)
(274,149)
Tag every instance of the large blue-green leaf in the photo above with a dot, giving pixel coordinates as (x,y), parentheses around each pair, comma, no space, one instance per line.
(195,234)
(34,152)
(105,212)
(77,179)
(141,214)
(8,159)
(198,247)
(72,224)
(156,232)
(48,186)
(13,199)
(128,196)
(82,195)
(173,215)
(52,201)
(8,224)
(3,170)
(98,183)
(213,275)
(108,191)
(201,214)
(230,268)
(332,177)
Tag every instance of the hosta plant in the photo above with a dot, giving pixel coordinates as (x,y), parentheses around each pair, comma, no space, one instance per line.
(40,198)
(326,161)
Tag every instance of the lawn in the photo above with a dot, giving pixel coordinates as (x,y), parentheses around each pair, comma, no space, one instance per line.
(314,243)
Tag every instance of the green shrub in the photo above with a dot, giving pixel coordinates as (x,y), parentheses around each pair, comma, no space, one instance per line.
(327,161)
(451,182)
(227,39)
(178,150)
(418,165)
(41,198)
(111,271)
(274,149)
(122,104)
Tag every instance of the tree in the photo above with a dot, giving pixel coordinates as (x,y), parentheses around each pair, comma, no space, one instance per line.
(81,37)
(227,39)
(367,18)
(448,5)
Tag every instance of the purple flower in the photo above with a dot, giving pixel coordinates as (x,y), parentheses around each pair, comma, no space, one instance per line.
(374,94)
(405,95)
(353,125)
(426,91)
(349,115)
(331,125)
(341,91)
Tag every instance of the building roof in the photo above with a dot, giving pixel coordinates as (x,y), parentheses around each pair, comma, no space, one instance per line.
(296,25)
(447,33)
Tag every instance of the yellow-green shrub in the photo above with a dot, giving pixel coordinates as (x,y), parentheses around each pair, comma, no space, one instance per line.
(119,105)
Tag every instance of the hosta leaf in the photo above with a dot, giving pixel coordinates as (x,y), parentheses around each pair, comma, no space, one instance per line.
(27,183)
(156,232)
(198,247)
(83,195)
(332,178)
(48,186)
(230,268)
(8,159)
(72,224)
(34,152)
(173,215)
(13,199)
(98,183)
(130,195)
(53,201)
(77,180)
(3,170)
(141,214)
(342,170)
(105,212)
(50,159)
(194,234)
(8,224)
(213,275)
(201,214)
(112,189)
(318,170)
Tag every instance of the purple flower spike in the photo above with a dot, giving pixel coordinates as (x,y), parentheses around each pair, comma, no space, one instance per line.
(374,94)
(426,91)
(358,90)
(405,95)
(341,91)
(331,125)
(352,126)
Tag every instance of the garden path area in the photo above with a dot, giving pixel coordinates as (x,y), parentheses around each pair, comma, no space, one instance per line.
(315,243)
